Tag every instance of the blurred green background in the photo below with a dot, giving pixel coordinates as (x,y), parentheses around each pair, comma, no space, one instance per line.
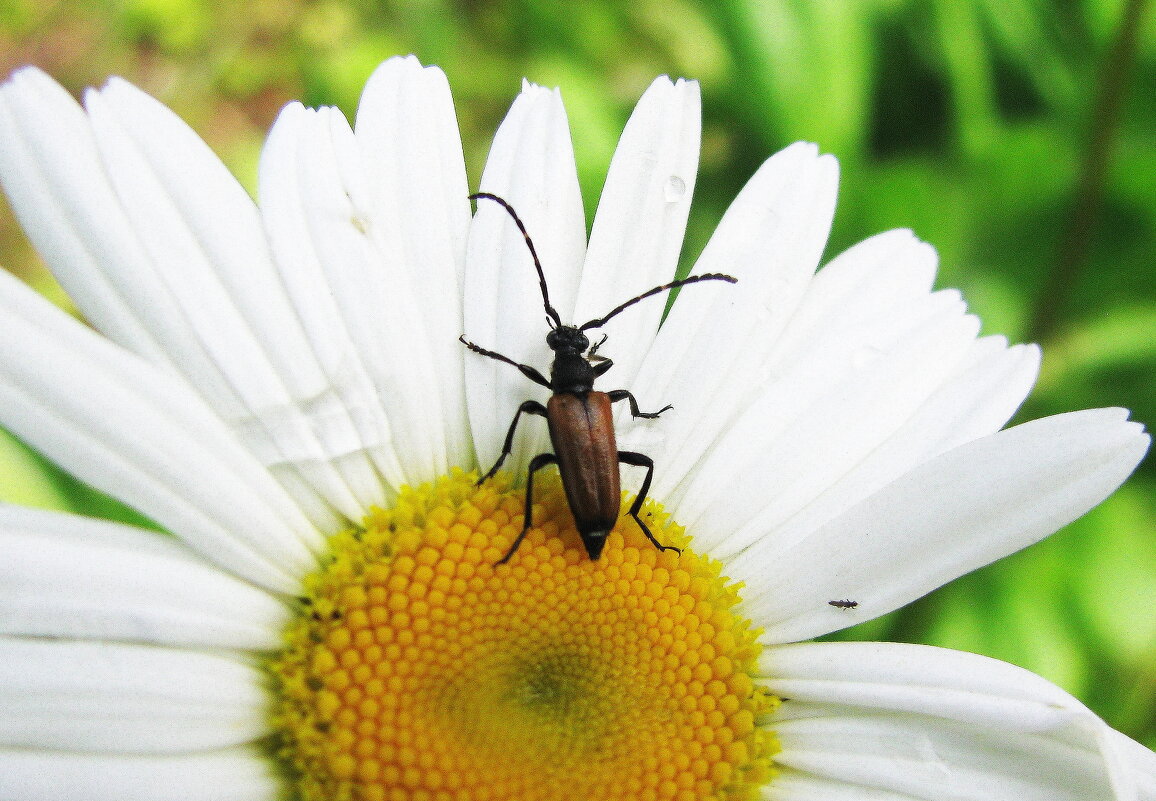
(1015,135)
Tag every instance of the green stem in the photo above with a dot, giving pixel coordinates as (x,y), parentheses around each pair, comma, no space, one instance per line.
(1073,252)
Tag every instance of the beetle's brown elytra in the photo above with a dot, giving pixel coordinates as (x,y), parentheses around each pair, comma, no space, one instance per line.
(579,418)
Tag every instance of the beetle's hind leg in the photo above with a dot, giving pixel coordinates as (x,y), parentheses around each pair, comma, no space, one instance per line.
(536,464)
(640,460)
(529,407)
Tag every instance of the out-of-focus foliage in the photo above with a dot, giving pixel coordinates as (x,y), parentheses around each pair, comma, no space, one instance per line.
(1015,135)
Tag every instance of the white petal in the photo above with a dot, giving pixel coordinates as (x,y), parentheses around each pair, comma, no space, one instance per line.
(935,760)
(795,785)
(790,446)
(408,133)
(770,239)
(419,217)
(52,173)
(960,511)
(888,271)
(370,233)
(531,165)
(138,270)
(830,404)
(234,774)
(200,230)
(198,226)
(930,723)
(133,431)
(1135,763)
(204,237)
(829,357)
(981,394)
(68,576)
(333,272)
(641,219)
(115,698)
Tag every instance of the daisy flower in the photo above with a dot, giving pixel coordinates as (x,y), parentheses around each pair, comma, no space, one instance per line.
(279,386)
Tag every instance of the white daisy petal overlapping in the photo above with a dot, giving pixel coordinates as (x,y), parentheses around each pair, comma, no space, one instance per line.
(266,372)
(890,722)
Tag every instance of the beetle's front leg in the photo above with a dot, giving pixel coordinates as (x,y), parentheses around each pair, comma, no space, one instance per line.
(621,394)
(529,407)
(592,354)
(525,369)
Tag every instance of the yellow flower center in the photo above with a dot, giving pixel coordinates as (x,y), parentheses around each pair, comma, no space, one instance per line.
(419,670)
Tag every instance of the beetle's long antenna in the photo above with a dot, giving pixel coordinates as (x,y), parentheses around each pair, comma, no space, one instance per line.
(550,310)
(694,279)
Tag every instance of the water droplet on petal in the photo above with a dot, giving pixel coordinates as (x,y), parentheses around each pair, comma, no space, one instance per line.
(674,190)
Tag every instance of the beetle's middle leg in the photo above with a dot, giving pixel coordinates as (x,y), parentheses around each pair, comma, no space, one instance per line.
(536,464)
(623,394)
(529,407)
(640,460)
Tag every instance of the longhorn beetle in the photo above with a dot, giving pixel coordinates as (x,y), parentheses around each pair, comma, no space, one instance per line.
(579,419)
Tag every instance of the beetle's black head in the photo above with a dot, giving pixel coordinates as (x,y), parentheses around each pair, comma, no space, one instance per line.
(567,340)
